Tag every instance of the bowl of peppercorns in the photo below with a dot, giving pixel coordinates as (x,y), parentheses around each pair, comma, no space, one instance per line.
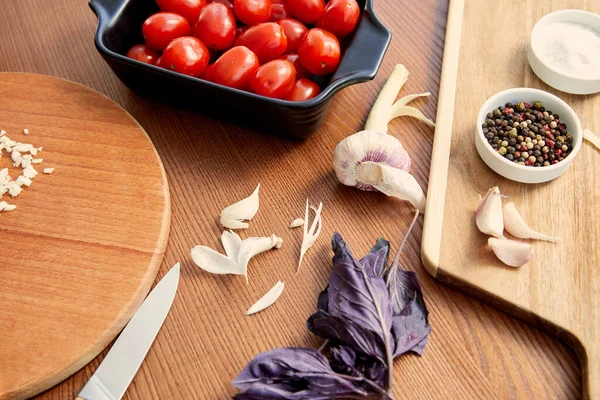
(527,135)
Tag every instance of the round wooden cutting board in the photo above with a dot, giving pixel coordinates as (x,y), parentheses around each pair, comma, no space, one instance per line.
(83,247)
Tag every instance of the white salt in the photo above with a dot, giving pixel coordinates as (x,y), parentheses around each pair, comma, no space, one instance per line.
(572,49)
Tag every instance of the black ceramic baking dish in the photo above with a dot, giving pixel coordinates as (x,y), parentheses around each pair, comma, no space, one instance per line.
(120,26)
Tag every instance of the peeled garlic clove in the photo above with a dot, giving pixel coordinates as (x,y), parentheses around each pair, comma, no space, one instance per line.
(366,148)
(253,246)
(268,299)
(516,225)
(296,223)
(511,252)
(232,217)
(399,183)
(590,137)
(214,262)
(489,214)
(231,243)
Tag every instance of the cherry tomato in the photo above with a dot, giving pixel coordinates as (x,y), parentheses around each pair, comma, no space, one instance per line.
(307,11)
(216,27)
(274,79)
(319,52)
(252,12)
(240,30)
(186,55)
(304,89)
(279,2)
(227,3)
(301,72)
(340,17)
(279,11)
(294,32)
(188,9)
(266,40)
(160,28)
(143,53)
(235,67)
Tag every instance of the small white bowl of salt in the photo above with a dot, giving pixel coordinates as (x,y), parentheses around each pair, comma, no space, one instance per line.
(564,51)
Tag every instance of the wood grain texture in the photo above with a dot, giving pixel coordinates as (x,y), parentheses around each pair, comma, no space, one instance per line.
(560,288)
(475,352)
(84,244)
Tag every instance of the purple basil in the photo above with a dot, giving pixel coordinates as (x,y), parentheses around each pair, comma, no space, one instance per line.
(369,315)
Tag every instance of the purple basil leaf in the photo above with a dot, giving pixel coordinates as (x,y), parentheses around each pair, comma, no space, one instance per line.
(410,326)
(357,292)
(381,243)
(322,302)
(292,373)
(345,361)
(347,332)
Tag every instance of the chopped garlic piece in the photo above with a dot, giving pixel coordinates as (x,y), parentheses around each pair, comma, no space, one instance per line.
(30,172)
(48,170)
(268,299)
(233,216)
(2,132)
(33,152)
(310,235)
(23,147)
(16,157)
(4,206)
(296,223)
(37,160)
(23,180)
(3,189)
(14,189)
(26,161)
(26,131)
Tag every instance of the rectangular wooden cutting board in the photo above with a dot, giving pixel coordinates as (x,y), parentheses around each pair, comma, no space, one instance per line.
(559,289)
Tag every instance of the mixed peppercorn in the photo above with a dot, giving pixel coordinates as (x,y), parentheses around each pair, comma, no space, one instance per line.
(527,134)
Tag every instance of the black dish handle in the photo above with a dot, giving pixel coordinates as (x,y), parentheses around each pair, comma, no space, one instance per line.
(105,10)
(363,57)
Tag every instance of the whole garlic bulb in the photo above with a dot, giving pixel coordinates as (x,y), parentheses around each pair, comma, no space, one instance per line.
(353,155)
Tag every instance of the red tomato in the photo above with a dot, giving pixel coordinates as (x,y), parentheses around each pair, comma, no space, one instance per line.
(143,53)
(279,11)
(274,79)
(252,12)
(307,11)
(319,52)
(304,89)
(227,3)
(340,17)
(160,28)
(294,32)
(235,67)
(188,9)
(279,2)
(266,40)
(301,72)
(216,27)
(186,55)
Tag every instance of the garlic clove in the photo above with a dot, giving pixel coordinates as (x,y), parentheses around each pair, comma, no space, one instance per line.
(214,262)
(232,216)
(268,299)
(511,252)
(399,183)
(399,111)
(296,223)
(516,225)
(489,214)
(255,245)
(590,137)
(362,149)
(231,243)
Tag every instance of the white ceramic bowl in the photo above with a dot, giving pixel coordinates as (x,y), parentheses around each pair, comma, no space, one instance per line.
(512,170)
(551,74)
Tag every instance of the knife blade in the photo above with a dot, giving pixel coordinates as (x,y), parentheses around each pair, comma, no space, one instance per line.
(115,373)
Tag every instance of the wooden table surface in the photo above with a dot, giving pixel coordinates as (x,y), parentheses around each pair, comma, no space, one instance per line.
(474,350)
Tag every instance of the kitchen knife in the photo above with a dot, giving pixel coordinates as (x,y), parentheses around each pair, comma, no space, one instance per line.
(115,373)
